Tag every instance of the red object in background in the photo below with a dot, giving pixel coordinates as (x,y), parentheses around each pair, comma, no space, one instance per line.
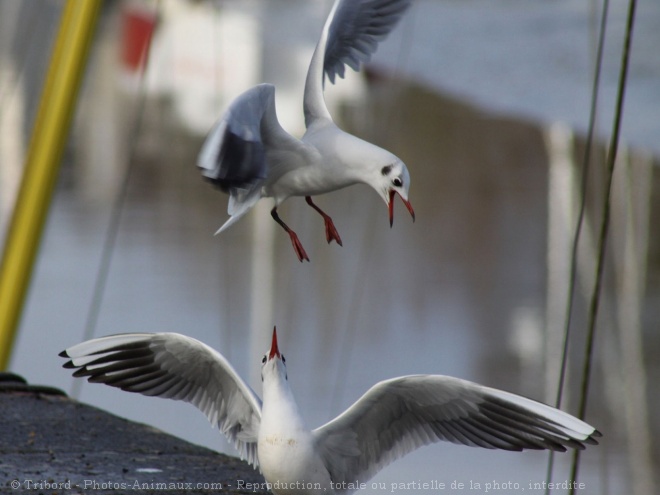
(138,26)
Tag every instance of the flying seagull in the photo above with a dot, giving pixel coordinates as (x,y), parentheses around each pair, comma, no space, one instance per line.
(249,155)
(391,419)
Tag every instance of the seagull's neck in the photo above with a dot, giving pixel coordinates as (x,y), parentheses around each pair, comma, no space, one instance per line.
(280,411)
(286,448)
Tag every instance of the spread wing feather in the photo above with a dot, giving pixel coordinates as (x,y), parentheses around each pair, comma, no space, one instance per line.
(400,415)
(173,366)
(355,31)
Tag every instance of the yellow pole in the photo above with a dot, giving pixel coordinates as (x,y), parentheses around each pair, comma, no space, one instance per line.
(41,168)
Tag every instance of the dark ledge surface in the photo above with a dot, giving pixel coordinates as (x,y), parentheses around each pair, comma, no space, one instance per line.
(50,444)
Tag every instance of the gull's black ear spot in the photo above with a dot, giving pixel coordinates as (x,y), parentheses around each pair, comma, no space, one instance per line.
(386,169)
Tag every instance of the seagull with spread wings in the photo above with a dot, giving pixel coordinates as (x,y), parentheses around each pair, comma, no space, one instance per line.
(249,155)
(390,420)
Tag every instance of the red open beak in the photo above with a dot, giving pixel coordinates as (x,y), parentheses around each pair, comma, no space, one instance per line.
(390,205)
(274,351)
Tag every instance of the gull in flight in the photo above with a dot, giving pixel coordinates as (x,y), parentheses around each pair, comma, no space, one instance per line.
(391,419)
(249,155)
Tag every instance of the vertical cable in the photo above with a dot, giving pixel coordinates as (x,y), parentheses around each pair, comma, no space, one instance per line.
(364,266)
(578,230)
(25,54)
(602,241)
(110,241)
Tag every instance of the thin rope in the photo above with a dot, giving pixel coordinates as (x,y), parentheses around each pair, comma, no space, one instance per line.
(604,230)
(349,333)
(112,231)
(224,276)
(580,221)
(25,55)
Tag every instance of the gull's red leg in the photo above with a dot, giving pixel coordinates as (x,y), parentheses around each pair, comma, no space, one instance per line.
(297,246)
(330,230)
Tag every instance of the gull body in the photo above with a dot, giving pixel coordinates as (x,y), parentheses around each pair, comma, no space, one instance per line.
(391,419)
(285,446)
(249,155)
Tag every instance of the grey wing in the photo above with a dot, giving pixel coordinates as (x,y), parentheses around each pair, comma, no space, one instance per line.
(398,416)
(233,155)
(174,366)
(355,31)
(248,149)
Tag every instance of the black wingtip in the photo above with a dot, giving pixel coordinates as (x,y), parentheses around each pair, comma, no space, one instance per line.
(63,354)
(593,438)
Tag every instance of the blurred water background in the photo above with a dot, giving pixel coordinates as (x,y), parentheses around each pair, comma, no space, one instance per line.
(486,101)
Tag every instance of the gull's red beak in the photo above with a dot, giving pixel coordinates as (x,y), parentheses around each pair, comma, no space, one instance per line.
(274,351)
(390,205)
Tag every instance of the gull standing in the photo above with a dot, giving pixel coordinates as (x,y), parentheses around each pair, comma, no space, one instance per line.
(249,155)
(392,419)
